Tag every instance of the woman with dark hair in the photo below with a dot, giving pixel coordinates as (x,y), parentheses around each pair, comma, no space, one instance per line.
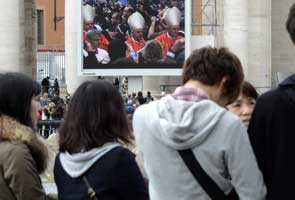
(91,155)
(23,155)
(244,105)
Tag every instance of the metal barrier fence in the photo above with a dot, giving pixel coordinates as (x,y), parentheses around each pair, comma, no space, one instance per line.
(51,64)
(47,127)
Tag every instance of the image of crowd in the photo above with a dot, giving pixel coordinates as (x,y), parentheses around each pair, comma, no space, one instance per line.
(133,33)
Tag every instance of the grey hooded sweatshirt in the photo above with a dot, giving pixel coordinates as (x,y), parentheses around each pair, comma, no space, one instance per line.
(217,138)
(77,164)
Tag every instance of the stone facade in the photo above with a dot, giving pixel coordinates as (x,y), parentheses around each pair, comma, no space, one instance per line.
(283,51)
(17,36)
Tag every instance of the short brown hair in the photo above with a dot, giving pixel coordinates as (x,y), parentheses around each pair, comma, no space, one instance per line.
(290,24)
(153,52)
(96,116)
(209,65)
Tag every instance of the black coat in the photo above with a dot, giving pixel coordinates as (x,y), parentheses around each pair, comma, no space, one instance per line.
(115,176)
(90,61)
(272,135)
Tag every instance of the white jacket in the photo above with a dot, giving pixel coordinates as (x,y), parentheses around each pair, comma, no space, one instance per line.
(217,138)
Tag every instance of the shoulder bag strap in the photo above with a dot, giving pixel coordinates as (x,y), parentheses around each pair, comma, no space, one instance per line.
(210,187)
(90,190)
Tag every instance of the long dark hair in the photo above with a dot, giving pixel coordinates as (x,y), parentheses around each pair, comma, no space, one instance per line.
(16,92)
(95,116)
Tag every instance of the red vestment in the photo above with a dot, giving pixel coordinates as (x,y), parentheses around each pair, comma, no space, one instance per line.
(135,45)
(166,41)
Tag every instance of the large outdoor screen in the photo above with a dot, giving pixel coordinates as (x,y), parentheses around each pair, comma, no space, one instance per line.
(131,37)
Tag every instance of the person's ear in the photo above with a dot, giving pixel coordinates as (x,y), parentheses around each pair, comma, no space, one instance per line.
(222,84)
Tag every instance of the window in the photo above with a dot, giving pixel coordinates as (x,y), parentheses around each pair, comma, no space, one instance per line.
(40,26)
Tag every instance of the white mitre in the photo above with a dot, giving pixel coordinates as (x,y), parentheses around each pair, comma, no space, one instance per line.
(88,12)
(136,21)
(172,16)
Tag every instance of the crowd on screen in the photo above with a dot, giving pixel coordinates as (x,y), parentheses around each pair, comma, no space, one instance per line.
(129,32)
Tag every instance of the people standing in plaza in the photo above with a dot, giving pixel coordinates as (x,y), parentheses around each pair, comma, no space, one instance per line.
(91,152)
(57,111)
(139,98)
(45,84)
(56,86)
(44,100)
(148,97)
(244,105)
(193,121)
(271,132)
(23,154)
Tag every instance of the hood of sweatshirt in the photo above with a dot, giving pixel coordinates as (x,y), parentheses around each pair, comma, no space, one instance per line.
(77,164)
(183,124)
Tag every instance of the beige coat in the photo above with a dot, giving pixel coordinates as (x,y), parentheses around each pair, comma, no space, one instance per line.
(23,157)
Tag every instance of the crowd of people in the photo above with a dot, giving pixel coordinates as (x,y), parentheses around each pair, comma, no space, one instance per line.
(132,32)
(53,106)
(212,138)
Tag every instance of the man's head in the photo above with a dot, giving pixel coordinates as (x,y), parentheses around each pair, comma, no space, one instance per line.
(87,25)
(100,20)
(140,5)
(290,24)
(128,10)
(136,23)
(137,34)
(174,3)
(116,19)
(88,16)
(153,52)
(94,38)
(217,69)
(121,32)
(173,30)
(172,18)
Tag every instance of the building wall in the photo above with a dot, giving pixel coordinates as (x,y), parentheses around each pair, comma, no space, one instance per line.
(17,49)
(283,51)
(259,43)
(53,37)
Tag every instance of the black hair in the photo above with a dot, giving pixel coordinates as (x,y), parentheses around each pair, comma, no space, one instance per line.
(249,90)
(16,92)
(290,24)
(117,49)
